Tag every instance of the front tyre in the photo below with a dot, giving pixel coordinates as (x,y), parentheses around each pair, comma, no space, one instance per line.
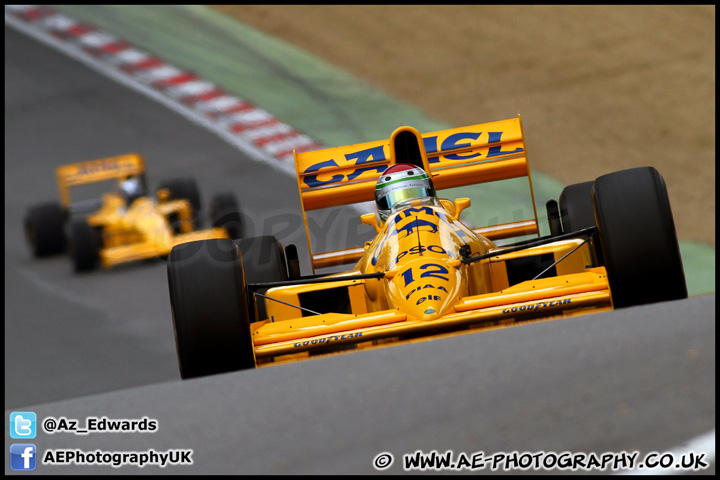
(638,238)
(84,245)
(210,319)
(184,189)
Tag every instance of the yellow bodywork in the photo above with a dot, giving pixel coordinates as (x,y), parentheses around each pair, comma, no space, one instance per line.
(142,231)
(425,287)
(131,232)
(93,171)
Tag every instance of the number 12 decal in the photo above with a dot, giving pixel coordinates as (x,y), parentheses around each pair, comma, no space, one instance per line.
(437,272)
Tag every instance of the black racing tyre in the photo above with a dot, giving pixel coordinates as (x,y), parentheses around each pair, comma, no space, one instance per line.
(84,245)
(209,308)
(577,211)
(576,207)
(264,261)
(638,238)
(225,212)
(184,188)
(44,229)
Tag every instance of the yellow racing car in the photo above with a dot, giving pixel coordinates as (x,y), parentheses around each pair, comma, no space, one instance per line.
(125,224)
(243,304)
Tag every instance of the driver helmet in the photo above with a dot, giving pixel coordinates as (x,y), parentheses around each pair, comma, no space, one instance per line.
(131,189)
(399,184)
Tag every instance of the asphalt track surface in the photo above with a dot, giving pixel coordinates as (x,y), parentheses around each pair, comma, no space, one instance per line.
(102,345)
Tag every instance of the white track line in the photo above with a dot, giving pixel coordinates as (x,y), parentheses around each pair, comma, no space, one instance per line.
(702,444)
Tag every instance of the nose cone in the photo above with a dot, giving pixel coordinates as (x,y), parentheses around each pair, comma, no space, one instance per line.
(425,288)
(430,314)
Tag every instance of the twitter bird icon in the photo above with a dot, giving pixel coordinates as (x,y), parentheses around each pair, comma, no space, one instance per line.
(23,425)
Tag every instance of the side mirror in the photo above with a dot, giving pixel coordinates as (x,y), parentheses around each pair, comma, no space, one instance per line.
(370,219)
(460,205)
(163,195)
(448,206)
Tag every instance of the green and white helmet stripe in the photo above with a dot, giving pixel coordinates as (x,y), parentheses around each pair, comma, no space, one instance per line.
(403,182)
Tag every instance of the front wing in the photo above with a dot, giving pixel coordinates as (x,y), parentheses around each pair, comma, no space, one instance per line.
(539,299)
(151,249)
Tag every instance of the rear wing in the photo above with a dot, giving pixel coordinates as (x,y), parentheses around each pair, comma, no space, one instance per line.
(454,157)
(97,171)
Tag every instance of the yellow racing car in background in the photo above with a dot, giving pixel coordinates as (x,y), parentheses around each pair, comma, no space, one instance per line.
(124,224)
(243,304)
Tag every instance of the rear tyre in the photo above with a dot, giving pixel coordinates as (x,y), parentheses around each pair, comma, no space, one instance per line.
(84,245)
(209,307)
(225,212)
(44,229)
(577,211)
(638,238)
(264,261)
(187,189)
(576,207)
